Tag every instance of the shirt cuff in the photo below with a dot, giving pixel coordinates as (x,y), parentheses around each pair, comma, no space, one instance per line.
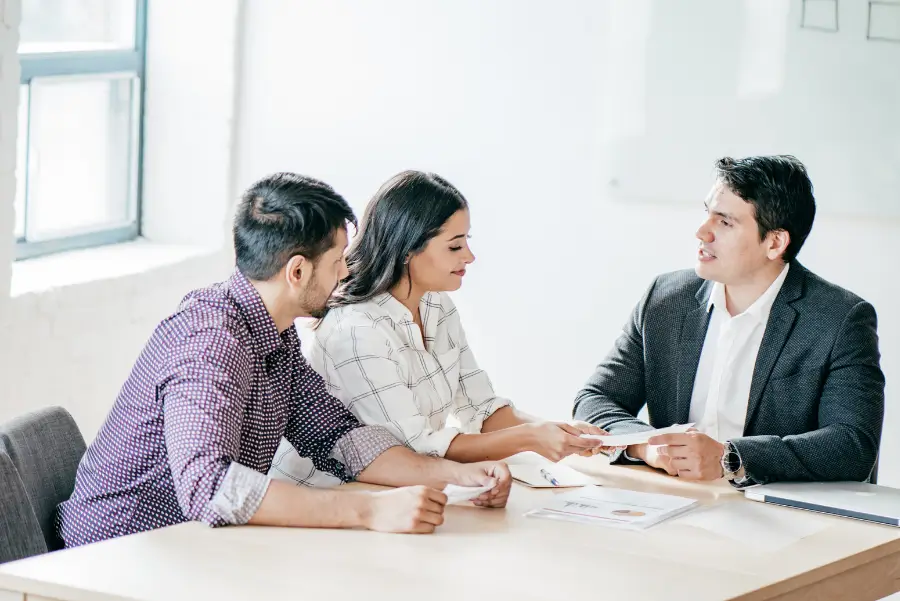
(435,444)
(361,446)
(240,494)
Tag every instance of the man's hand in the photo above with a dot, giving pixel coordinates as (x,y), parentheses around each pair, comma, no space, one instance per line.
(413,509)
(557,440)
(651,456)
(693,455)
(484,474)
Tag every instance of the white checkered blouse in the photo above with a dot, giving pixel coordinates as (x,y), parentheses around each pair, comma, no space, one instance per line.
(372,357)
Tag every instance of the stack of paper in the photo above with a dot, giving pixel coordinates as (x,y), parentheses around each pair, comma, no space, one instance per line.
(613,507)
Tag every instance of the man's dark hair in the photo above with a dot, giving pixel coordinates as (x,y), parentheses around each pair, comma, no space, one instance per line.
(284,215)
(780,191)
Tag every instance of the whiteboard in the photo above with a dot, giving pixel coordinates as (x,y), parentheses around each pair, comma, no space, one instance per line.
(688,82)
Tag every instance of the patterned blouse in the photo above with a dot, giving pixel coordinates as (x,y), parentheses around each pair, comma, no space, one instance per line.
(424,391)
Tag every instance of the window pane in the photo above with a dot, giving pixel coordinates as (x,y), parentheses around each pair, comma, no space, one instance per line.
(21,158)
(81,155)
(74,25)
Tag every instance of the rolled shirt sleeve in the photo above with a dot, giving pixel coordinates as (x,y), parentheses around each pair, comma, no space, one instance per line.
(358,448)
(240,494)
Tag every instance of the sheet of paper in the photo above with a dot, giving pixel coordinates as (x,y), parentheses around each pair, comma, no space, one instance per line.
(526,468)
(622,440)
(456,494)
(764,528)
(552,475)
(613,507)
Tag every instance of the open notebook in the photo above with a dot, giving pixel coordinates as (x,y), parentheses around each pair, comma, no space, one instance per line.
(533,470)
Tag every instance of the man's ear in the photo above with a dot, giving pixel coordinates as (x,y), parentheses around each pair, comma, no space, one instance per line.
(298,270)
(779,240)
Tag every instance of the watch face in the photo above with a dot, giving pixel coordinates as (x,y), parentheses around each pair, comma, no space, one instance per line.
(732,460)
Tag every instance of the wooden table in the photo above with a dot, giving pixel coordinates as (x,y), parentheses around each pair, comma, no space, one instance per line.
(477,554)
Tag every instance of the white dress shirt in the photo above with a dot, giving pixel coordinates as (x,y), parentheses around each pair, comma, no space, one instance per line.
(373,359)
(725,372)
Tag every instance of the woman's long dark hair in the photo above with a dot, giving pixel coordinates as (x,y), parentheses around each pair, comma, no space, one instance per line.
(405,213)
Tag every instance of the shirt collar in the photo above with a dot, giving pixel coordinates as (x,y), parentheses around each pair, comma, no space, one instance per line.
(396,310)
(761,307)
(262,327)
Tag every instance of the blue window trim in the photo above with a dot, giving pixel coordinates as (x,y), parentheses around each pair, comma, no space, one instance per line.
(130,61)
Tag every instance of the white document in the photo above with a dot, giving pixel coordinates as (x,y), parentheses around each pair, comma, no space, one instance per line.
(456,494)
(536,471)
(613,507)
(763,528)
(623,440)
(554,475)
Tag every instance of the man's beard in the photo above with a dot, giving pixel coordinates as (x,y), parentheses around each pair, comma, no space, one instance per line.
(316,307)
(319,312)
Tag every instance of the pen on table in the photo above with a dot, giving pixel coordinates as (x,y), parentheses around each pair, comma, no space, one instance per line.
(549,477)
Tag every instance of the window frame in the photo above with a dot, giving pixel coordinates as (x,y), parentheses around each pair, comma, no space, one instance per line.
(130,61)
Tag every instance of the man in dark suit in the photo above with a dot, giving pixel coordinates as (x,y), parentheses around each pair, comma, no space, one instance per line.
(777,368)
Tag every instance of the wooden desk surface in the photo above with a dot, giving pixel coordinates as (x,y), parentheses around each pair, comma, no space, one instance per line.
(477,554)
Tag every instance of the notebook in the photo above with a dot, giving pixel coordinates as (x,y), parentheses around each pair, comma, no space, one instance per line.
(858,500)
(533,470)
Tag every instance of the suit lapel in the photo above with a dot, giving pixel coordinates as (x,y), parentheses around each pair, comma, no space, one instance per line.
(778,329)
(690,345)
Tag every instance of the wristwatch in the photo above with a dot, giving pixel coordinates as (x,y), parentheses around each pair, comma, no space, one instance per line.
(731,462)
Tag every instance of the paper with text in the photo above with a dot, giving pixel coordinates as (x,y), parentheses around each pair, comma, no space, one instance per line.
(613,507)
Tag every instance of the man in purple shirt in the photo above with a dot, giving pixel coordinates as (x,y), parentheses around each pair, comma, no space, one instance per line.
(195,427)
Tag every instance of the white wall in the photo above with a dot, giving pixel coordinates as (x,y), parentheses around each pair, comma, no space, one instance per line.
(506,99)
(754,82)
(74,345)
(9,102)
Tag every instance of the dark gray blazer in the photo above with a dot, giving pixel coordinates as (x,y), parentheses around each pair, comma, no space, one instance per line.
(817,397)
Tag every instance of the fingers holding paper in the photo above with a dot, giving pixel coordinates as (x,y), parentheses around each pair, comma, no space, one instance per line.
(499,494)
(578,428)
(492,474)
(557,440)
(693,455)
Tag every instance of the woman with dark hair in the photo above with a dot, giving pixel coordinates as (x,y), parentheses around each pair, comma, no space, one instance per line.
(392,347)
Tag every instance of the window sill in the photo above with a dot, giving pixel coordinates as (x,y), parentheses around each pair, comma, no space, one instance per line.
(97,264)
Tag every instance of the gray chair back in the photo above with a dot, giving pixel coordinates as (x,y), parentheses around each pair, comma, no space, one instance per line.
(20,533)
(45,448)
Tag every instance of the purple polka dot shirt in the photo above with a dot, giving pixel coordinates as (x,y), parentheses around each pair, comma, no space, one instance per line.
(196,425)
